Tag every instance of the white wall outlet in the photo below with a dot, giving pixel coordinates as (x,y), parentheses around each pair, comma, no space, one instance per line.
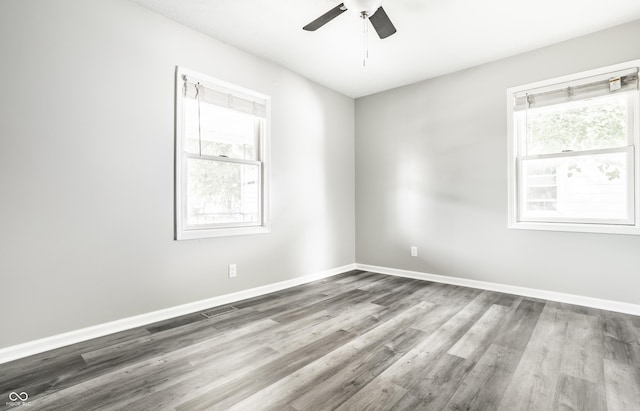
(414,251)
(233,270)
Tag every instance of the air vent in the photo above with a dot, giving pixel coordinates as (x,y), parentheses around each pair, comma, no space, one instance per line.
(218,311)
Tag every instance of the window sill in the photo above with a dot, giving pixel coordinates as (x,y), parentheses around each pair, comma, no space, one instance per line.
(577,228)
(220,232)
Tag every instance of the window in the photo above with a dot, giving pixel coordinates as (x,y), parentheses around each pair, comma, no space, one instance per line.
(221,158)
(573,152)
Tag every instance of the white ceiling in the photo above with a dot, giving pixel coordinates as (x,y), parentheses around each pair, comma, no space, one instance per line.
(434,36)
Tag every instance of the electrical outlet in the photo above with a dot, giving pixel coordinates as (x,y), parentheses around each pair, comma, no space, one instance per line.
(233,270)
(414,251)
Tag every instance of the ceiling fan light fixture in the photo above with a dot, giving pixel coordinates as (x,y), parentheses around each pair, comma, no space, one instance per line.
(366,9)
(363,8)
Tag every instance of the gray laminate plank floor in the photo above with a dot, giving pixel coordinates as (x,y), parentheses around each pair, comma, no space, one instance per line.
(356,341)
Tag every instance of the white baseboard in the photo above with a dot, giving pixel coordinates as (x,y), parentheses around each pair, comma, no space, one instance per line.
(601,304)
(50,343)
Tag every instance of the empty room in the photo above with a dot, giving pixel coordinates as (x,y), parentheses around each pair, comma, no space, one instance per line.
(315,205)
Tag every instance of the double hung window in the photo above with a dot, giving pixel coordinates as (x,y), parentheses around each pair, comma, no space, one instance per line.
(221,153)
(573,160)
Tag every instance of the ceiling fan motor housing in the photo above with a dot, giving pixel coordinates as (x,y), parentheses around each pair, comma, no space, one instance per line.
(368,7)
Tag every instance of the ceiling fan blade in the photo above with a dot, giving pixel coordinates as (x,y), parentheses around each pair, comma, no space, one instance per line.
(325,18)
(382,24)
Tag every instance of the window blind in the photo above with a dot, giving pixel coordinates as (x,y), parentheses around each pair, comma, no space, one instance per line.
(226,98)
(590,87)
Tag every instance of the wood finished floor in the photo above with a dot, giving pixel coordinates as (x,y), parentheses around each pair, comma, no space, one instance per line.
(357,341)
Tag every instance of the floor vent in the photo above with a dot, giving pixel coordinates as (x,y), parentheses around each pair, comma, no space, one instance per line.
(218,311)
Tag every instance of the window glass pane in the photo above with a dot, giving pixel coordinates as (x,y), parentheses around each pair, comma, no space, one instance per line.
(578,125)
(219,192)
(224,132)
(575,187)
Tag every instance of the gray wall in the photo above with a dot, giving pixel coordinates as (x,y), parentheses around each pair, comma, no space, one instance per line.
(431,171)
(86,169)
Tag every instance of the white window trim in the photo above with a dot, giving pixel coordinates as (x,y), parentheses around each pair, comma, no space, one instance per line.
(181,231)
(512,156)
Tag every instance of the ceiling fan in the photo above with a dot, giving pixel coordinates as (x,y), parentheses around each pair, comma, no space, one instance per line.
(365,9)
